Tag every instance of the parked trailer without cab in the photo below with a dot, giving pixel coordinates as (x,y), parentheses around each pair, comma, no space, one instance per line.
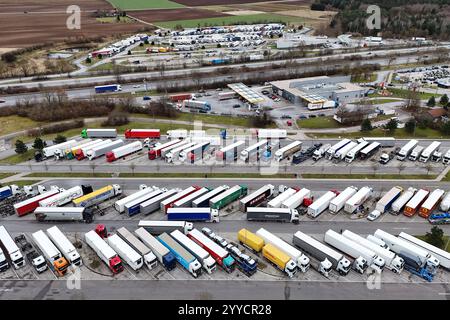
(231,152)
(123,151)
(256,198)
(99,133)
(126,252)
(338,203)
(400,203)
(79,214)
(119,205)
(368,151)
(283,196)
(225,198)
(10,248)
(154,204)
(98,196)
(203,201)
(156,152)
(256,149)
(29,205)
(297,199)
(416,201)
(134,207)
(431,203)
(321,204)
(406,150)
(357,199)
(142,133)
(102,149)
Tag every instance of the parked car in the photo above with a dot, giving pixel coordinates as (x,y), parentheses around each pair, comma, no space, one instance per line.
(289,123)
(303,117)
(374,215)
(221,241)
(265,92)
(312,116)
(137,86)
(2,101)
(236,106)
(208,232)
(145,98)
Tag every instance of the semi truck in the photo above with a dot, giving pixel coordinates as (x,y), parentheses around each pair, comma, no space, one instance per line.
(142,133)
(321,204)
(256,197)
(203,201)
(354,153)
(336,147)
(123,151)
(78,214)
(427,153)
(99,133)
(328,258)
(392,261)
(193,214)
(363,257)
(415,203)
(342,152)
(271,133)
(159,227)
(169,202)
(400,203)
(431,203)
(134,207)
(108,88)
(148,257)
(64,197)
(197,105)
(321,152)
(119,205)
(231,152)
(29,205)
(446,158)
(154,204)
(98,196)
(441,255)
(180,97)
(415,154)
(196,152)
(250,240)
(273,214)
(67,153)
(125,252)
(244,262)
(279,259)
(12,251)
(406,150)
(385,203)
(288,150)
(225,198)
(175,152)
(65,246)
(255,149)
(385,142)
(297,199)
(281,197)
(218,253)
(357,200)
(9,191)
(102,149)
(301,260)
(417,260)
(57,262)
(155,152)
(71,152)
(104,251)
(338,203)
(81,153)
(184,257)
(49,152)
(163,255)
(445,203)
(370,150)
(208,263)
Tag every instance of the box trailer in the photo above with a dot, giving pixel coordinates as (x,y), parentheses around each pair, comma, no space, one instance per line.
(48,152)
(254,149)
(119,205)
(385,203)
(441,255)
(12,251)
(155,152)
(342,152)
(280,260)
(416,201)
(142,134)
(354,153)
(328,258)
(231,152)
(431,203)
(164,256)
(336,147)
(363,257)
(8,191)
(256,197)
(169,202)
(415,154)
(125,252)
(225,198)
(446,158)
(79,214)
(301,260)
(297,199)
(69,153)
(288,150)
(406,150)
(193,214)
(427,153)
(65,246)
(392,261)
(148,257)
(445,203)
(57,262)
(134,207)
(194,153)
(271,133)
(208,263)
(175,153)
(283,196)
(338,203)
(108,87)
(63,197)
(184,257)
(123,151)
(273,214)
(187,201)
(400,203)
(218,253)
(250,240)
(98,196)
(385,142)
(180,97)
(102,149)
(197,105)
(203,201)
(357,200)
(154,204)
(104,251)
(157,227)
(81,153)
(99,133)
(370,150)
(29,205)
(321,204)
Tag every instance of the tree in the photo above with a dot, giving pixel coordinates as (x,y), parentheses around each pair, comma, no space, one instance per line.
(59,139)
(431,102)
(435,237)
(392,125)
(410,126)
(129,52)
(21,147)
(88,60)
(366,125)
(39,144)
(444,100)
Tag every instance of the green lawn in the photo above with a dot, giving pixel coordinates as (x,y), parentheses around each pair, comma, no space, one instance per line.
(22,183)
(404,93)
(144,4)
(369,176)
(247,19)
(362,79)
(378,101)
(69,175)
(114,20)
(15,123)
(4,175)
(399,134)
(18,158)
(446,241)
(319,123)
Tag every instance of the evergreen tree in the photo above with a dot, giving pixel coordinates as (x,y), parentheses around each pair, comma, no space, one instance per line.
(21,147)
(39,144)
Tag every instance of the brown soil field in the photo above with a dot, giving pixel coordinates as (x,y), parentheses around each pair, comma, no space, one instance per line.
(267,7)
(194,3)
(173,14)
(7,6)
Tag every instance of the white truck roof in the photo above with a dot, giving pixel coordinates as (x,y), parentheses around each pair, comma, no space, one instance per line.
(151,242)
(319,245)
(100,244)
(210,194)
(433,198)
(133,241)
(278,200)
(221,252)
(44,243)
(189,244)
(325,198)
(62,242)
(290,146)
(125,248)
(232,146)
(191,197)
(119,205)
(296,197)
(7,241)
(279,243)
(418,198)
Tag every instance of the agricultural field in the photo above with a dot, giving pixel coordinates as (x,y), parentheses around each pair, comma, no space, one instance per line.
(144,4)
(174,14)
(193,3)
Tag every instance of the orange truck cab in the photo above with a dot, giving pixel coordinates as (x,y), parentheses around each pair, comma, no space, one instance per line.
(60,265)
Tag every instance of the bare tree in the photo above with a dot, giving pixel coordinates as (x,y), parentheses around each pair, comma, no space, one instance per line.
(132,166)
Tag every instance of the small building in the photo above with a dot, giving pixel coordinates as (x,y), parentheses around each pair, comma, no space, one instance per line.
(435,114)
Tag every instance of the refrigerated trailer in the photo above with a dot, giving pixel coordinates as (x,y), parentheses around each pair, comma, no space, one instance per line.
(256,149)
(203,201)
(431,203)
(297,199)
(445,203)
(169,202)
(123,151)
(193,214)
(280,260)
(385,203)
(99,133)
(187,201)
(357,199)
(256,198)
(406,150)
(328,258)
(82,153)
(119,205)
(225,198)
(271,133)
(104,251)
(65,246)
(321,204)
(157,227)
(342,152)
(56,260)
(80,214)
(194,153)
(231,152)
(288,150)
(354,153)
(370,150)
(400,203)
(156,152)
(134,207)
(415,154)
(175,152)
(98,196)
(338,203)
(149,258)
(29,205)
(142,133)
(164,256)
(273,214)
(63,197)
(427,153)
(10,248)
(154,204)
(386,142)
(336,147)
(48,152)
(416,201)
(125,252)
(296,255)
(102,149)
(283,196)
